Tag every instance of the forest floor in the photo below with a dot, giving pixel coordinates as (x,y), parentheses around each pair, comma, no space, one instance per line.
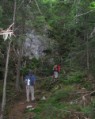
(19,108)
(64,100)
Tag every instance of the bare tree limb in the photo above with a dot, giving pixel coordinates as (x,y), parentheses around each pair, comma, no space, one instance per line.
(91,35)
(85,95)
(84,13)
(38,7)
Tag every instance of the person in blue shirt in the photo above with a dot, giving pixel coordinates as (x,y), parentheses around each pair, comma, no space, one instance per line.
(30,82)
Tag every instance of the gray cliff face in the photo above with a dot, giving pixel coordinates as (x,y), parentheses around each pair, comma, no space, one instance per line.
(34,45)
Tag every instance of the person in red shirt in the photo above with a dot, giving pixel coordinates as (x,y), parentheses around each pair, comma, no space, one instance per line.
(56,70)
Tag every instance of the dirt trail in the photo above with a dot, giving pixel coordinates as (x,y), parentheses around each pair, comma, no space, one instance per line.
(18,110)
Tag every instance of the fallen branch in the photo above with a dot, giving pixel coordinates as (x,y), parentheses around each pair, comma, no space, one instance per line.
(85,95)
(84,13)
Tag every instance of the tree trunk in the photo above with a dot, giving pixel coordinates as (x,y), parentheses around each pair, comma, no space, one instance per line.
(88,65)
(5,80)
(6,67)
(18,70)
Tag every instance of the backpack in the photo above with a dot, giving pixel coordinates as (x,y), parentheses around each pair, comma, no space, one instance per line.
(32,80)
(58,68)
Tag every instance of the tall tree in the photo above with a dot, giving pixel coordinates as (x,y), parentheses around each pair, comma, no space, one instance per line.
(6,68)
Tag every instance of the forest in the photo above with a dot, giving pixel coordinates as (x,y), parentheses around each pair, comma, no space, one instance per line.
(37,36)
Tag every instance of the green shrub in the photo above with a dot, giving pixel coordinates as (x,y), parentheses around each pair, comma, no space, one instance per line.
(88,85)
(62,94)
(74,77)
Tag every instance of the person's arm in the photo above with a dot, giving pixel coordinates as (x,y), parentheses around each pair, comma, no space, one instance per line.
(25,79)
(34,80)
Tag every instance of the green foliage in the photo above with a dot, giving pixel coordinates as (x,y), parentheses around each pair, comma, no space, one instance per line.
(49,1)
(31,65)
(61,95)
(1,11)
(92,5)
(57,105)
(69,23)
(40,18)
(88,85)
(1,89)
(36,110)
(87,110)
(74,77)
(92,108)
(34,63)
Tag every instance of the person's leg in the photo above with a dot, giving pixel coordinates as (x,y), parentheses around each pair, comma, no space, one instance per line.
(32,93)
(57,75)
(27,93)
(54,76)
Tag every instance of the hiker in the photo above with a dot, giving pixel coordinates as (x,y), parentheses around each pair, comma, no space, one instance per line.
(30,82)
(56,70)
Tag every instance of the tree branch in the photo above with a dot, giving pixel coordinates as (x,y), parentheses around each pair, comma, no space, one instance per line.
(38,7)
(84,13)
